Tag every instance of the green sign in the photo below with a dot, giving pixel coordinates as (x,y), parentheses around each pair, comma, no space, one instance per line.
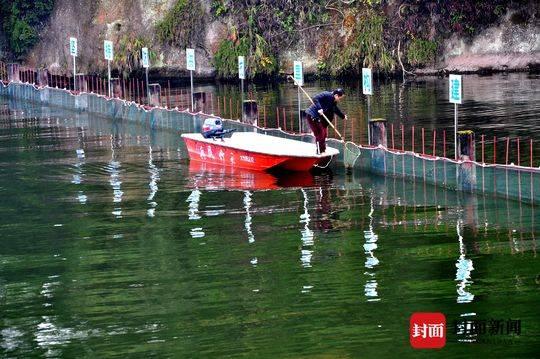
(145,59)
(108,50)
(73,46)
(454,89)
(190,59)
(241,67)
(367,82)
(298,73)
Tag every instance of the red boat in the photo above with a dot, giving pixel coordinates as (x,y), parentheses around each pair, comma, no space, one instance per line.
(256,151)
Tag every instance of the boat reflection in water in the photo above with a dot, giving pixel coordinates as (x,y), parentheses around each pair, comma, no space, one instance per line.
(215,177)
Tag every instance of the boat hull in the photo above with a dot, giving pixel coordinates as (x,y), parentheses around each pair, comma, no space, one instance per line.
(226,154)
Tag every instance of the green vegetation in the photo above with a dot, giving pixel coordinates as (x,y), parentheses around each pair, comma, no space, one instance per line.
(128,54)
(421,52)
(371,43)
(247,41)
(344,35)
(183,26)
(259,60)
(226,57)
(218,8)
(364,47)
(21,22)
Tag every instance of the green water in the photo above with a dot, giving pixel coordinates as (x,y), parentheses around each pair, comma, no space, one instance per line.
(112,245)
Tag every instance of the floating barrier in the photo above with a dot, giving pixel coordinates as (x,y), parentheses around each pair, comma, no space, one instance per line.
(462,172)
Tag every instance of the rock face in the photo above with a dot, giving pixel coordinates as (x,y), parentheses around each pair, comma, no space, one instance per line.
(92,22)
(511,45)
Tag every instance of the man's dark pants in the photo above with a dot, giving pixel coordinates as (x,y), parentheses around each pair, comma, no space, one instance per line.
(319,130)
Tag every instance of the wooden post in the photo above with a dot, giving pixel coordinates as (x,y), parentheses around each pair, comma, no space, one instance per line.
(377,132)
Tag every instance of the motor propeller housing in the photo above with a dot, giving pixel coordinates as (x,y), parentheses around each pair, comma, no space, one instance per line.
(213,128)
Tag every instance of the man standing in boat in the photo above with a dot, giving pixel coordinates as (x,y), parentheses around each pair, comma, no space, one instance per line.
(324,103)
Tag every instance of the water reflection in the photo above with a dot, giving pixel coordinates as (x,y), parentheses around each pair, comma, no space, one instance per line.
(115,181)
(193,212)
(247,221)
(370,288)
(307,234)
(215,177)
(197,291)
(79,172)
(323,209)
(153,170)
(464,268)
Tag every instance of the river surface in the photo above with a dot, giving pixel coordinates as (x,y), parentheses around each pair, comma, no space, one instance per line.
(112,243)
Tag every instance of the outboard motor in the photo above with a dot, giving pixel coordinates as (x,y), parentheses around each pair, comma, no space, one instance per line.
(213,128)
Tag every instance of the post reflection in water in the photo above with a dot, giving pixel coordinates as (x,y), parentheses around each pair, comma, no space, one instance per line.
(79,173)
(193,212)
(370,289)
(114,170)
(247,221)
(154,178)
(307,234)
(464,268)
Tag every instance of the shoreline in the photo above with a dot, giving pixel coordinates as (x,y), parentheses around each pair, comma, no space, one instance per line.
(481,64)
(184,78)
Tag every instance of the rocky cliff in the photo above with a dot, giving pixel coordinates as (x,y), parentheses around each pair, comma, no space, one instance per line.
(330,37)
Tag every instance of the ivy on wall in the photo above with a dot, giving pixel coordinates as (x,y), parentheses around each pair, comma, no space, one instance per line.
(21,22)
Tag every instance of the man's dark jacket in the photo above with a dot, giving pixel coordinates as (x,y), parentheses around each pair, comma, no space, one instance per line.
(325,101)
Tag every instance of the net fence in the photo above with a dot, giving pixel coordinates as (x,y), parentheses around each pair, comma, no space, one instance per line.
(511,181)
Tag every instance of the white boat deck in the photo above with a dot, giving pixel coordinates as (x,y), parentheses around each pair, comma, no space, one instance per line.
(261,143)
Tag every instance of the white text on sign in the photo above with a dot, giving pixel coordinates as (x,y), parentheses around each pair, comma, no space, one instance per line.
(108,50)
(145,59)
(73,46)
(367,82)
(241,67)
(454,83)
(190,59)
(298,73)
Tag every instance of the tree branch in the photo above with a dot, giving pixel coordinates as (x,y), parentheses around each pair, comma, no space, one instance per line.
(401,63)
